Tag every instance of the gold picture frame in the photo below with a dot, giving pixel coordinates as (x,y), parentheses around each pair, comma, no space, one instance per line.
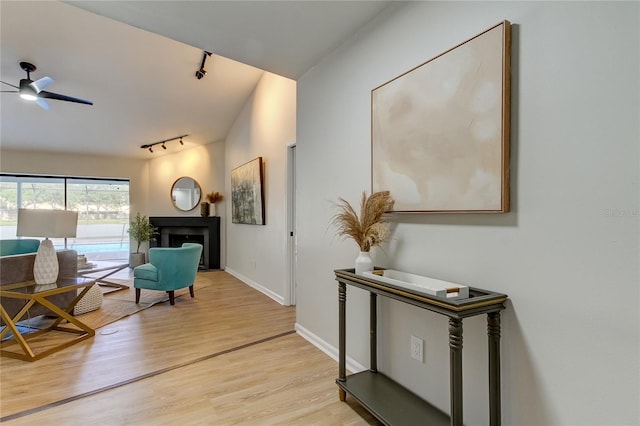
(440,131)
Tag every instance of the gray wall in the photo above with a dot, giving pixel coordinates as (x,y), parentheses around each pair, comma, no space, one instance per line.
(567,254)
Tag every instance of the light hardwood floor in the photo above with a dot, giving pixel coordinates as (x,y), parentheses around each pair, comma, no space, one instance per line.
(228,356)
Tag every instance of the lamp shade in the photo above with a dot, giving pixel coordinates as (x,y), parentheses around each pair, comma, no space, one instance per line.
(47,223)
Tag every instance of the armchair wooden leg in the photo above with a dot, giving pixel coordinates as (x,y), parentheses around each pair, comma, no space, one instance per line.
(137,295)
(172,298)
(191,290)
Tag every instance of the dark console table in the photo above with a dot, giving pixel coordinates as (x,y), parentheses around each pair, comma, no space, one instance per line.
(388,401)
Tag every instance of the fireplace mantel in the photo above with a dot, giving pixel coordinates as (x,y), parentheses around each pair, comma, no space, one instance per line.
(208,226)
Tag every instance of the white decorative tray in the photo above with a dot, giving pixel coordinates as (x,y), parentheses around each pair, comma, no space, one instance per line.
(431,286)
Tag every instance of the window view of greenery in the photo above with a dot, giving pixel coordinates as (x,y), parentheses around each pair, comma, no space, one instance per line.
(102,206)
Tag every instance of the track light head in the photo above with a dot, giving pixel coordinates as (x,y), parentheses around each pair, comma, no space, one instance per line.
(202,72)
(164,147)
(151,150)
(181,143)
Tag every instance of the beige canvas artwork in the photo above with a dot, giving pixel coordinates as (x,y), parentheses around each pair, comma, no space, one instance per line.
(440,132)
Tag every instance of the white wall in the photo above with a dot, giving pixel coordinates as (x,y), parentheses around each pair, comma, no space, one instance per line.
(205,164)
(567,255)
(257,254)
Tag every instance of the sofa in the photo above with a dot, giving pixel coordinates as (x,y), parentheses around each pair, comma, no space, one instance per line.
(19,267)
(18,246)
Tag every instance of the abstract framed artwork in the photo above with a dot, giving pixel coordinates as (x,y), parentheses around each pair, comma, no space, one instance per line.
(440,131)
(247,195)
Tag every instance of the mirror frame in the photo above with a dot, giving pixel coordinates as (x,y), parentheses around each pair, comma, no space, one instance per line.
(196,184)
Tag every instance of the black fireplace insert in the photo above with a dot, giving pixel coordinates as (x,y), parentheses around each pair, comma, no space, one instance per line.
(175,230)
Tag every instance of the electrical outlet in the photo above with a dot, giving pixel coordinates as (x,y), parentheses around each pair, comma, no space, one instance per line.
(417,348)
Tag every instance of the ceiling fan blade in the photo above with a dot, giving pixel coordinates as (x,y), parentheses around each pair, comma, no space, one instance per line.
(9,84)
(43,104)
(41,83)
(59,97)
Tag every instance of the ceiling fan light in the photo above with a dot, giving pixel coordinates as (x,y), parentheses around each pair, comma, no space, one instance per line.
(27,91)
(28,96)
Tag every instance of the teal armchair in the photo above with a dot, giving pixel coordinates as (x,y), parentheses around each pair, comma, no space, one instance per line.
(169,269)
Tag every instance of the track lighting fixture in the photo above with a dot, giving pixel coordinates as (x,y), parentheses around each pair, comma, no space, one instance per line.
(150,146)
(202,72)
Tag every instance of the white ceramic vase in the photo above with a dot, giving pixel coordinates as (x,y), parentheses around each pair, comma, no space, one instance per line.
(45,267)
(364,263)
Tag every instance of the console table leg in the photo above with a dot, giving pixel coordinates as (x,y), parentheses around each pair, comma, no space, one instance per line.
(373,331)
(493,332)
(342,395)
(455,368)
(342,356)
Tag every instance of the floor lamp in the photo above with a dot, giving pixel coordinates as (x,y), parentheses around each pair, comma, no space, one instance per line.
(48,224)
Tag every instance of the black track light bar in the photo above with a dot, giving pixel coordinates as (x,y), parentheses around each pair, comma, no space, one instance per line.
(150,146)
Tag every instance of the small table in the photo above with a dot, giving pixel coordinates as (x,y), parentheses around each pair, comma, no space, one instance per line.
(109,269)
(390,402)
(33,294)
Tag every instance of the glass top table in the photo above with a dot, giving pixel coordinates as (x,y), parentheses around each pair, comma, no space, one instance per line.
(32,294)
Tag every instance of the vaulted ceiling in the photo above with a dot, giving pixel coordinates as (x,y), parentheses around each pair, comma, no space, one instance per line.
(136,60)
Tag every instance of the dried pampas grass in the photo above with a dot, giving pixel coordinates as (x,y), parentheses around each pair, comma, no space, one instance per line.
(214,197)
(369,229)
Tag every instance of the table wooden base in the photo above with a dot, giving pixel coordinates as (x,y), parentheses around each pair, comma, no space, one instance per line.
(110,270)
(22,340)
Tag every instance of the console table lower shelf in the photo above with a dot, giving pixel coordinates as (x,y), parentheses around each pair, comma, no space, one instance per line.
(388,401)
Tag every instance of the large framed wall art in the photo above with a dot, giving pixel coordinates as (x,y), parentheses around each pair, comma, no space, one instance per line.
(440,132)
(247,195)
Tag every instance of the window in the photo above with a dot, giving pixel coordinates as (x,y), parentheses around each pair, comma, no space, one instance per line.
(102,206)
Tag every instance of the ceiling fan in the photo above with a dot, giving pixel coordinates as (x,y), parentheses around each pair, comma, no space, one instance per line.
(32,90)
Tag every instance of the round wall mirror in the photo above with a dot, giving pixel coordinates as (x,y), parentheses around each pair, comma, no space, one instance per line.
(186,193)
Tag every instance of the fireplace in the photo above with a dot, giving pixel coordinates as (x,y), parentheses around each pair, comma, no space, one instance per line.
(175,230)
(176,240)
(191,235)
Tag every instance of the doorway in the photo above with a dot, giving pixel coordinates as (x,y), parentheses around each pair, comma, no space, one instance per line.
(292,248)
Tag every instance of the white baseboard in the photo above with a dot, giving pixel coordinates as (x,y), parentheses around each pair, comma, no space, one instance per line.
(262,289)
(352,365)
